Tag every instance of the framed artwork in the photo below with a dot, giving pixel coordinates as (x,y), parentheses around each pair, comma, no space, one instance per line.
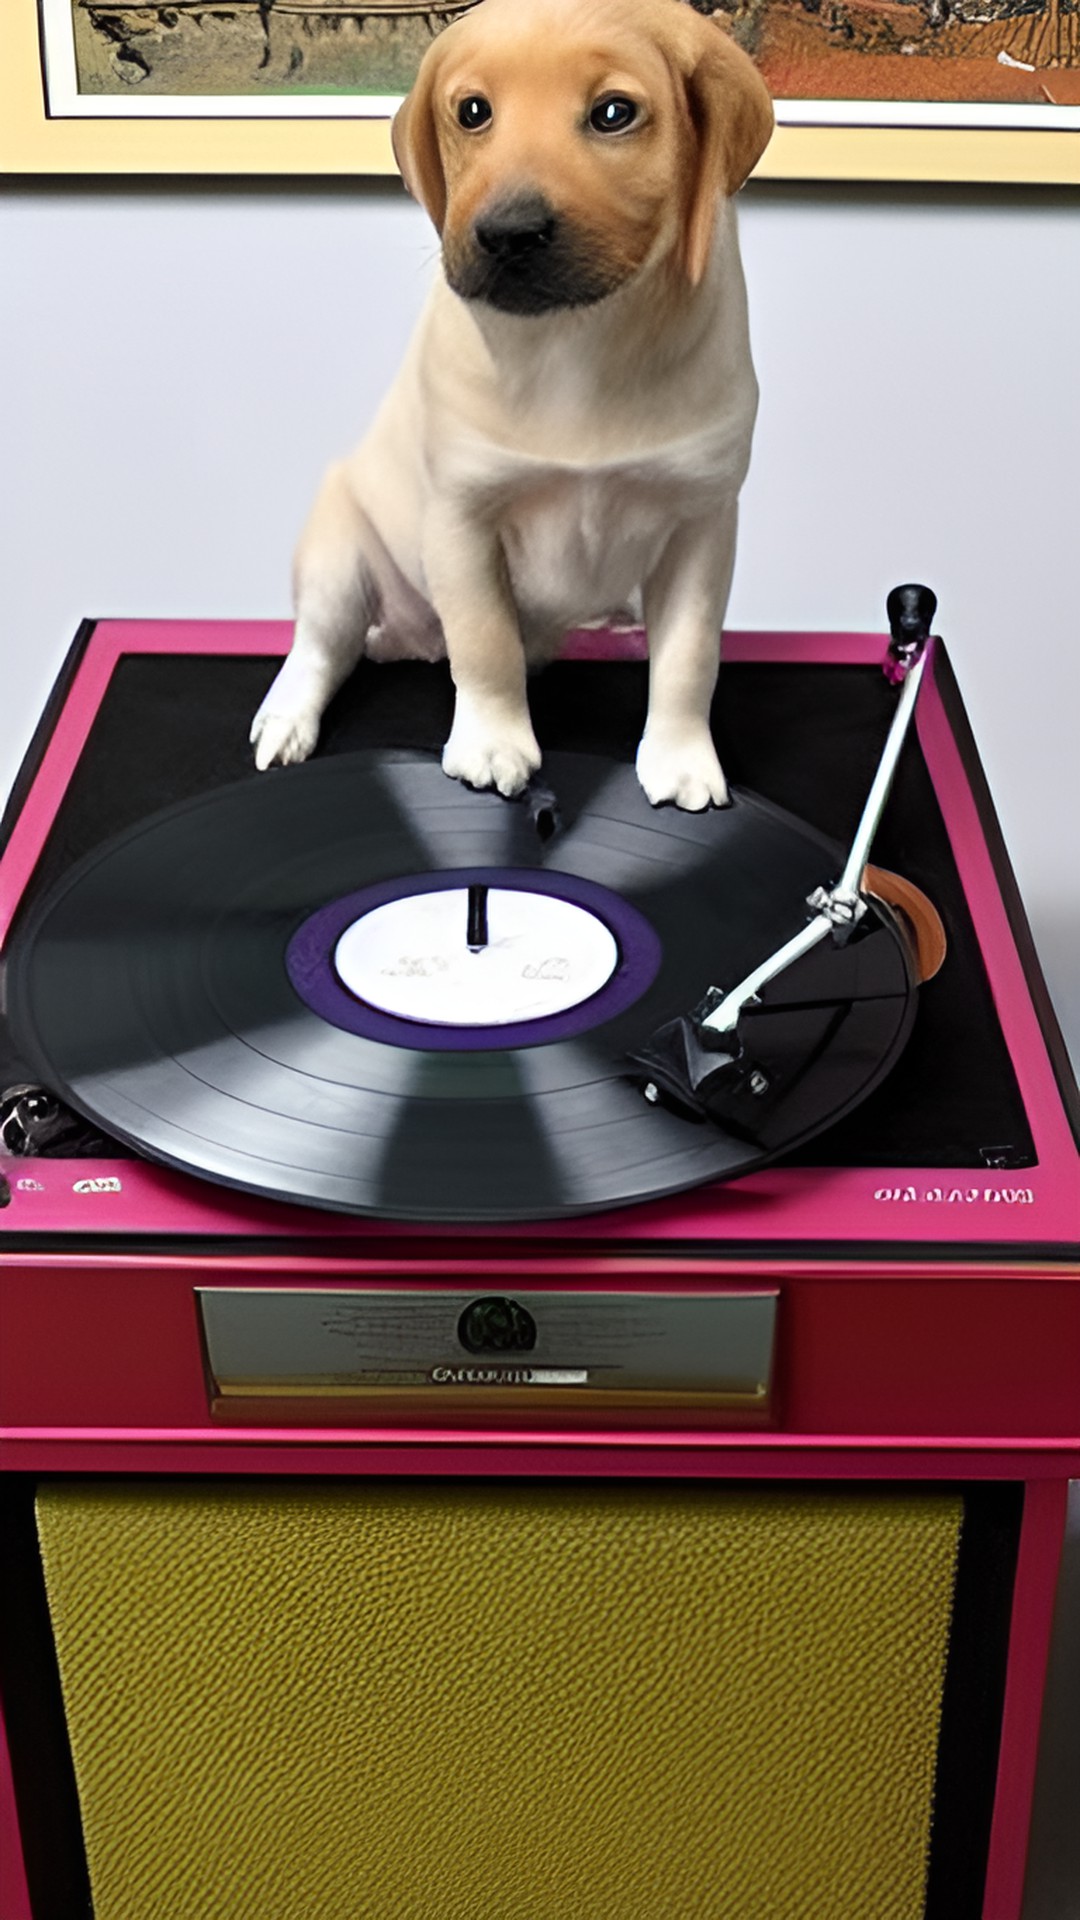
(866,89)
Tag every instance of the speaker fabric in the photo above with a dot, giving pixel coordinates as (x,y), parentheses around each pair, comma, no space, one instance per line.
(501,1702)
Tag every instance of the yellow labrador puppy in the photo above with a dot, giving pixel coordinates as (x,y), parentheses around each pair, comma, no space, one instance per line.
(572,422)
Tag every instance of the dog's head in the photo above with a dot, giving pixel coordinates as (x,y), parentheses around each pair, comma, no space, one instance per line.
(561,145)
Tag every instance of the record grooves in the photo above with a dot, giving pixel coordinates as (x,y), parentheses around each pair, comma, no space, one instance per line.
(179,987)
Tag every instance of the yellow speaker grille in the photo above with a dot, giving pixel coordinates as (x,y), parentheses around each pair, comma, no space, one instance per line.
(501,1702)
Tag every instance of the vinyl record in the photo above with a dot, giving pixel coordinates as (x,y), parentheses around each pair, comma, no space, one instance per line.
(193,987)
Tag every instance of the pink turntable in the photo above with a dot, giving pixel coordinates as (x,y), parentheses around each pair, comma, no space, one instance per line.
(316,1237)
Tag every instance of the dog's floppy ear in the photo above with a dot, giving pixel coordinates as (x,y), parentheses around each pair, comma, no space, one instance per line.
(731,113)
(416,143)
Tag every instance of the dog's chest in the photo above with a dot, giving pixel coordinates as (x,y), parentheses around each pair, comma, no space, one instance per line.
(579,544)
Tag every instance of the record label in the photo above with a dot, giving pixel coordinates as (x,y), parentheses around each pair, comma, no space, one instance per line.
(525,957)
(612,955)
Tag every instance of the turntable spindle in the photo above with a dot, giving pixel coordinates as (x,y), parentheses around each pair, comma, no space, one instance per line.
(477,935)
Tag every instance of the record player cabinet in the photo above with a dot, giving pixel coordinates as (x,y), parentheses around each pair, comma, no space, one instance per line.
(794,1634)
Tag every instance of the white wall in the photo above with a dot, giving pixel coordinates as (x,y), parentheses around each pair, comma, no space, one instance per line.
(180,363)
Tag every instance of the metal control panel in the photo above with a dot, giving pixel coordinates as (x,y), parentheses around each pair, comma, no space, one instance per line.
(289,1350)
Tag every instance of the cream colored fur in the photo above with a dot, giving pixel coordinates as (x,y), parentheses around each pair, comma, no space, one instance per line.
(531,471)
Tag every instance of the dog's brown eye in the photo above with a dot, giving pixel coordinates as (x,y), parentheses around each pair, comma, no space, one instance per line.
(613,114)
(473,113)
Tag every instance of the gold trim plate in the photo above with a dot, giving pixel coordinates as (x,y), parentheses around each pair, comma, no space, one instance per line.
(32,142)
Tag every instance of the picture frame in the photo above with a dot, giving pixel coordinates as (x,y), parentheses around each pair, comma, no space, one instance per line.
(46,128)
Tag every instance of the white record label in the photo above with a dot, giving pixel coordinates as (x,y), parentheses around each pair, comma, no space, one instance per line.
(412,958)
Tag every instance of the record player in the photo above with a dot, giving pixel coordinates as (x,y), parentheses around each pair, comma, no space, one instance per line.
(257,1220)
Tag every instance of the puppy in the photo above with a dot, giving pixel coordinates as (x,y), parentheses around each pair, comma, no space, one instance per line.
(572,423)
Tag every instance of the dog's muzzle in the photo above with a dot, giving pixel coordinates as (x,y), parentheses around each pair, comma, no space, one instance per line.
(521,256)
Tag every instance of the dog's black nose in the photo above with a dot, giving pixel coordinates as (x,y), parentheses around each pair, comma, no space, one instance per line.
(514,228)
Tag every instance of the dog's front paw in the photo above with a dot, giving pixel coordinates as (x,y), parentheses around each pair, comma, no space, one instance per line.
(504,757)
(685,771)
(281,739)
